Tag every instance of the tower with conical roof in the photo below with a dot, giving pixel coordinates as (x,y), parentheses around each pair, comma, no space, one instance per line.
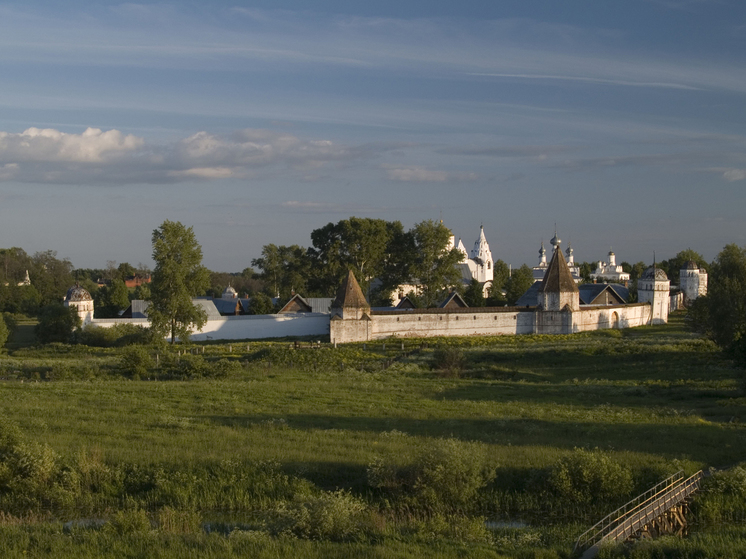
(350,301)
(350,320)
(559,291)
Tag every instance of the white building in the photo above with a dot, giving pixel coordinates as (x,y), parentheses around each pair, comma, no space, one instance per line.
(654,287)
(610,271)
(79,298)
(693,280)
(480,260)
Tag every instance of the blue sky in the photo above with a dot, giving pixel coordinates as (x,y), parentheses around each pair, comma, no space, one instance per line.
(255,123)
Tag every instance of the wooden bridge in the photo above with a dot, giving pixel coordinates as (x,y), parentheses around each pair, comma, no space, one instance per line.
(660,510)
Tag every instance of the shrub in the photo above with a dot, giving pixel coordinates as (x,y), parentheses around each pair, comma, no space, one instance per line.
(136,361)
(446,476)
(56,323)
(118,335)
(449,360)
(26,470)
(333,516)
(129,522)
(588,476)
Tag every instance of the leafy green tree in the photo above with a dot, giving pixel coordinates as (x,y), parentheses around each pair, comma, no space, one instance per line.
(721,314)
(673,266)
(112,299)
(284,269)
(434,265)
(4,332)
(178,276)
(126,270)
(518,283)
(397,266)
(357,244)
(586,269)
(637,271)
(261,304)
(56,323)
(51,276)
(474,294)
(501,273)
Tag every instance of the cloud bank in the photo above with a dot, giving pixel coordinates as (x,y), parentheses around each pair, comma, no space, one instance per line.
(95,156)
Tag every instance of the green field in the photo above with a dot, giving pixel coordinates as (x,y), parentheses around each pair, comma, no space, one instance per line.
(444,448)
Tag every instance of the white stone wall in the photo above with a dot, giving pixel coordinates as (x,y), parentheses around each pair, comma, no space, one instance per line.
(466,322)
(611,316)
(246,327)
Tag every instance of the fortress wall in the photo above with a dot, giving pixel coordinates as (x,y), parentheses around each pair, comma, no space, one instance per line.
(612,316)
(246,327)
(462,322)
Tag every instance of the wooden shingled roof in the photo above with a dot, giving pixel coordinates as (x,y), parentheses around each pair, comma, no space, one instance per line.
(558,278)
(349,295)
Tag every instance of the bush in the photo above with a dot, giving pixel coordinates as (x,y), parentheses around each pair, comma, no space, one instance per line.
(136,361)
(446,476)
(4,332)
(56,323)
(449,360)
(129,522)
(589,476)
(119,335)
(335,516)
(27,471)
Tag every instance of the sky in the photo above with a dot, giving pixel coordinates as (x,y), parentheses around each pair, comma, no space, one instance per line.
(623,123)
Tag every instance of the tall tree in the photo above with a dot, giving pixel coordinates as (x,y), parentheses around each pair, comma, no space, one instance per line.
(474,294)
(51,276)
(518,283)
(673,266)
(434,265)
(284,269)
(357,244)
(178,276)
(721,314)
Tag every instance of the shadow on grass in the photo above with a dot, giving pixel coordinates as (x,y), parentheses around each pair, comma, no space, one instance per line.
(704,442)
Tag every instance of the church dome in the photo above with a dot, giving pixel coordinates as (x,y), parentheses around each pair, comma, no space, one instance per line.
(654,273)
(691,265)
(229,291)
(77,293)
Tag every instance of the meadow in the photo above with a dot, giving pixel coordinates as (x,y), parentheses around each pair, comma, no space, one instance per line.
(459,447)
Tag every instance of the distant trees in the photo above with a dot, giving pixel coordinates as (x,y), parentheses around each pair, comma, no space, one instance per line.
(178,276)
(283,269)
(721,314)
(434,265)
(358,244)
(371,248)
(56,323)
(518,283)
(474,294)
(673,266)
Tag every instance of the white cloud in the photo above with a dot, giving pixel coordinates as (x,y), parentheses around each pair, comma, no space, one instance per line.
(416,174)
(94,156)
(206,173)
(47,144)
(732,175)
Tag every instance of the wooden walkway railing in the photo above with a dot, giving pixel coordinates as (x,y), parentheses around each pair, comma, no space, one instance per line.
(641,512)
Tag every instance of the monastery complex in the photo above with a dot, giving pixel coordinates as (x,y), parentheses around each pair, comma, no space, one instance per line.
(556,304)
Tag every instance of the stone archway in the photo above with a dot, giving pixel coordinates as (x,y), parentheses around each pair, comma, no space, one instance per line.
(615,320)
